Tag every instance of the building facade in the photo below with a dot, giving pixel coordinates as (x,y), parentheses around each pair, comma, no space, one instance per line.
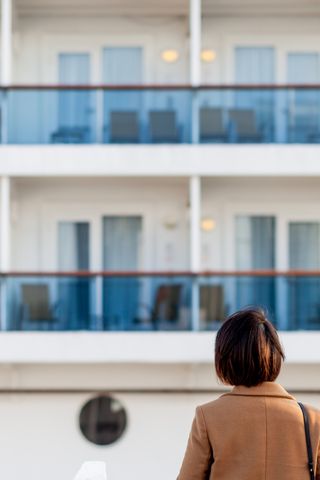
(159,169)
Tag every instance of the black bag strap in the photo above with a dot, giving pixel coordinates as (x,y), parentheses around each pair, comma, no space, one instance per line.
(308,440)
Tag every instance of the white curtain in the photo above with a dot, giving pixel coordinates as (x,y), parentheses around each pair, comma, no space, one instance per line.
(122,65)
(74,106)
(255,242)
(121,242)
(255,250)
(304,292)
(304,245)
(73,246)
(254,65)
(304,67)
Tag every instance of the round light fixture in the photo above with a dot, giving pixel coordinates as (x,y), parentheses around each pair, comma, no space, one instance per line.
(208,55)
(170,56)
(208,224)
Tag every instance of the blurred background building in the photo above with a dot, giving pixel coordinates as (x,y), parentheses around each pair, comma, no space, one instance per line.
(160,168)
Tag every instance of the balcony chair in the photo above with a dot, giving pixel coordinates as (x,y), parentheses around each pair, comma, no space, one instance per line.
(163,126)
(244,126)
(37,313)
(211,125)
(124,127)
(71,135)
(212,306)
(166,311)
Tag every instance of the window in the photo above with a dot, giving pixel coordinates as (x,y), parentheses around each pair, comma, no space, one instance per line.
(103,420)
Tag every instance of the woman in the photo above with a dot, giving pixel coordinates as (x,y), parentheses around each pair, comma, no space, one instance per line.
(255,431)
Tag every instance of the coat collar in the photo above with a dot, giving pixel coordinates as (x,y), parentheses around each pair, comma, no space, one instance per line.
(265,389)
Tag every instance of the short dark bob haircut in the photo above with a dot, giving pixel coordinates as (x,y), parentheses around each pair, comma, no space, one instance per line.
(248,350)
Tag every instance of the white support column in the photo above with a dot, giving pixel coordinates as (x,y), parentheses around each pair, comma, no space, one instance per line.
(6,64)
(195,42)
(195,246)
(6,42)
(195,64)
(5,224)
(195,212)
(4,247)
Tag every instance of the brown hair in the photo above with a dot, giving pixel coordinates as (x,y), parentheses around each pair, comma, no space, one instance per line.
(248,350)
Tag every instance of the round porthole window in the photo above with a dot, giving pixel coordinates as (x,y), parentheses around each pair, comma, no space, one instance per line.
(103,420)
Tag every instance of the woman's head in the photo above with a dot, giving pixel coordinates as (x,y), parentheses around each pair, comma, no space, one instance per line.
(248,350)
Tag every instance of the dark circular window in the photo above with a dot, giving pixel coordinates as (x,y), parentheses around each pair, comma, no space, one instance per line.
(103,420)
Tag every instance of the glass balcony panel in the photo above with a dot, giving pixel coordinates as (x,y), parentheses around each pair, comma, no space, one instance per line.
(144,302)
(51,116)
(147,116)
(51,303)
(160,115)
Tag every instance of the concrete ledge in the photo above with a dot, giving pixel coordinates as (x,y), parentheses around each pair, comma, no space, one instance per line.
(118,347)
(162,160)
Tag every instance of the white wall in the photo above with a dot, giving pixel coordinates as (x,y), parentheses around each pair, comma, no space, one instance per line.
(285,33)
(39,39)
(222,199)
(42,432)
(39,204)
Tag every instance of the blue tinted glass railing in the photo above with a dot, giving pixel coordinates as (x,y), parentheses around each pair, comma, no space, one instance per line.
(163,114)
(156,301)
(96,302)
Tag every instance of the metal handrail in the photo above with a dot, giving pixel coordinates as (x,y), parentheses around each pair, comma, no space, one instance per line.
(225,86)
(206,273)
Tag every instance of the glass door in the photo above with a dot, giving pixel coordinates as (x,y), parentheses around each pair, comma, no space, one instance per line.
(304,291)
(75,108)
(122,237)
(255,108)
(74,291)
(255,250)
(303,121)
(122,109)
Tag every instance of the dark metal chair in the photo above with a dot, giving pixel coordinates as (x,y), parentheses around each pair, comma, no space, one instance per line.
(244,125)
(163,126)
(124,127)
(37,313)
(212,127)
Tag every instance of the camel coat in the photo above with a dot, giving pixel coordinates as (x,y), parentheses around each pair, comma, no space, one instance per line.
(254,433)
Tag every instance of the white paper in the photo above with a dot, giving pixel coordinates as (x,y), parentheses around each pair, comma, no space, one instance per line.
(92,471)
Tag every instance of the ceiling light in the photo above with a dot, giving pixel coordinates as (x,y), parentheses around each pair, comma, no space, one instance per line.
(208,55)
(170,56)
(208,224)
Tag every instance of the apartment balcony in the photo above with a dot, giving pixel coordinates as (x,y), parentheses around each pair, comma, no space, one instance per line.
(155,301)
(161,115)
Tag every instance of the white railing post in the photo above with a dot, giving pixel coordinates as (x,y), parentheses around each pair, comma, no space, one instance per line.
(6,63)
(195,64)
(195,42)
(195,241)
(4,245)
(6,42)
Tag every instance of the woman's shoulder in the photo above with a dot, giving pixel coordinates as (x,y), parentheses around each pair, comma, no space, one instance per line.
(215,404)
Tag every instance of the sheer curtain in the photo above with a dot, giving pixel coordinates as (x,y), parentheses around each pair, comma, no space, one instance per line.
(255,250)
(304,68)
(122,66)
(73,246)
(121,252)
(256,65)
(73,291)
(74,106)
(304,254)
